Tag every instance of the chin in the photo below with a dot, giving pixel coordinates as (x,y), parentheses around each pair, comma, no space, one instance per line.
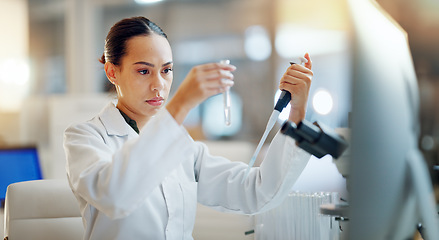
(153,111)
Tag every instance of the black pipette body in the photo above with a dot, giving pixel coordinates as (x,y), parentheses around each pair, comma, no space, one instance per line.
(282,102)
(284,98)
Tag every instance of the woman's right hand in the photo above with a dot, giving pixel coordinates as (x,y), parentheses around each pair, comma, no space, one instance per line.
(202,82)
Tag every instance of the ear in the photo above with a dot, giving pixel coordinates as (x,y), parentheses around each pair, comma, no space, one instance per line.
(110,71)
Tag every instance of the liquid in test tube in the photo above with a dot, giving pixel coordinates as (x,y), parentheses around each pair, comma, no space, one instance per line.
(227,100)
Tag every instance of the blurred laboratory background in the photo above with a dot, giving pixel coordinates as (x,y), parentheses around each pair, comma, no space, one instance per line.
(50,76)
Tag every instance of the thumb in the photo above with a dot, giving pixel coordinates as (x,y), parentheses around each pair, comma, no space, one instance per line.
(309,63)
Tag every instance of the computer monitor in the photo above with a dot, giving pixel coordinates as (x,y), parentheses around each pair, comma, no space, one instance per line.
(18,164)
(390,188)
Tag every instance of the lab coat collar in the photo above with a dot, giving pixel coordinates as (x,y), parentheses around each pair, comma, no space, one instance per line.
(113,121)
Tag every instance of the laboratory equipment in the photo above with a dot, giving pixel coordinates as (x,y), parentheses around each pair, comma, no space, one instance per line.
(320,140)
(317,139)
(390,189)
(298,217)
(282,102)
(227,100)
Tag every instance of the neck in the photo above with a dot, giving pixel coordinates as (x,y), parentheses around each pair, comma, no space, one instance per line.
(141,120)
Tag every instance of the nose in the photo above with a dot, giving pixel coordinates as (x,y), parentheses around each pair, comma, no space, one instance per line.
(157,83)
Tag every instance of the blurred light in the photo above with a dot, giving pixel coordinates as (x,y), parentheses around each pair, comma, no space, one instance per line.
(147,1)
(257,43)
(14,72)
(322,102)
(14,67)
(14,83)
(293,41)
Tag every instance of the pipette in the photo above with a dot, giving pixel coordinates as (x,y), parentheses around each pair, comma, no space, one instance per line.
(227,100)
(282,102)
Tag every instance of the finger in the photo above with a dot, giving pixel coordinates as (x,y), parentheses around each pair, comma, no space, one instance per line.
(297,78)
(294,72)
(214,91)
(227,83)
(299,71)
(217,74)
(222,83)
(292,86)
(309,63)
(213,66)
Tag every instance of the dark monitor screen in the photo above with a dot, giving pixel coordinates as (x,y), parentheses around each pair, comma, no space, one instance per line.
(390,190)
(18,164)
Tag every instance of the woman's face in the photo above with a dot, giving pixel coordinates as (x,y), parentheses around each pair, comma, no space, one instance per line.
(144,77)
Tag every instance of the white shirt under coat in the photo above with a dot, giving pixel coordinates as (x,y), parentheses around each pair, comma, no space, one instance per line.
(146,186)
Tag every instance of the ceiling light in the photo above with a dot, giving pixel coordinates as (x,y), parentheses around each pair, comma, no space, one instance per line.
(147,1)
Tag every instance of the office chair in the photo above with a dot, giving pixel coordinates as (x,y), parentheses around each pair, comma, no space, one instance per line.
(42,209)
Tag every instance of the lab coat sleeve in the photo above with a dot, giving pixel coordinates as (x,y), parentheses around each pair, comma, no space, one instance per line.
(219,180)
(117,181)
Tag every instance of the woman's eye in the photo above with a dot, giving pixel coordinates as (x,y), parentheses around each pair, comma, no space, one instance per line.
(167,70)
(143,72)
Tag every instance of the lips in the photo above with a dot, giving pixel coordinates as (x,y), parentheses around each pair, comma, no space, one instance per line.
(157,101)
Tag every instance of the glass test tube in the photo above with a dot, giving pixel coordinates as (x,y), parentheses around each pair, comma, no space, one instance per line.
(227,101)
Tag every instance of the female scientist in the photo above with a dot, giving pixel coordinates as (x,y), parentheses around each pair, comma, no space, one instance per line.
(134,169)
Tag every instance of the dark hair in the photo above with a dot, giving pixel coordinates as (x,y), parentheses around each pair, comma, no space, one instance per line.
(121,32)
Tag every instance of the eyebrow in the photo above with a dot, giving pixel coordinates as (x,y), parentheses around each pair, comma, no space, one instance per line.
(152,65)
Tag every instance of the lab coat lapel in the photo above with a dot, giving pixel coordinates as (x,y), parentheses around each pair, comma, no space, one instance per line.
(114,122)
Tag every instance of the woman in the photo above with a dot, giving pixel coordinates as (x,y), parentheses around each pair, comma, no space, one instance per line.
(136,172)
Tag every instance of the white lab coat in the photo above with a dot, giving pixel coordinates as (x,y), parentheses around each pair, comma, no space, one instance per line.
(146,186)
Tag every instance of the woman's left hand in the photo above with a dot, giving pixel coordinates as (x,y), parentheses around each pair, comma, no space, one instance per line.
(202,82)
(297,80)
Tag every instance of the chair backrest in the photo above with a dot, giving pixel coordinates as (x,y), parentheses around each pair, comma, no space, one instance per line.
(42,209)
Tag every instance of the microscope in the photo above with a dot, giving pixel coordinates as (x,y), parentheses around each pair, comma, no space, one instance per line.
(320,140)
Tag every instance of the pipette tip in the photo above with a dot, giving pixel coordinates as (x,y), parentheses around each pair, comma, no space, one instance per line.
(302,60)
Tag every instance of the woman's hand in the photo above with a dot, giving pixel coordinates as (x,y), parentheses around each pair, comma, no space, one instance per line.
(202,82)
(297,80)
